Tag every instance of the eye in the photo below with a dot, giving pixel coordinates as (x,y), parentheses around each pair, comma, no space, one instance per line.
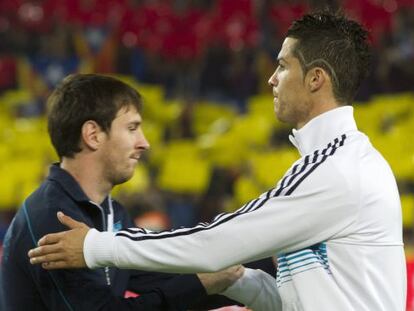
(133,126)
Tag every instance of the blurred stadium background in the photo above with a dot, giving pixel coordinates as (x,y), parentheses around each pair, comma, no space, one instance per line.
(202,67)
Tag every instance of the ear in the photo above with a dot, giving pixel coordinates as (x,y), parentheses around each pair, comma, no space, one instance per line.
(316,79)
(92,135)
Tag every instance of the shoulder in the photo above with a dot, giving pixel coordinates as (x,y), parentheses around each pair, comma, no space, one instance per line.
(47,200)
(327,177)
(41,207)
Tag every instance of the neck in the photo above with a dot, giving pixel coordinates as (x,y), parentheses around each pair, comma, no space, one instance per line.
(319,105)
(89,177)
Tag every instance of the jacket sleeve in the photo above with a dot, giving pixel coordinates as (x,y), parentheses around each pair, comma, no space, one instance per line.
(63,291)
(178,291)
(319,206)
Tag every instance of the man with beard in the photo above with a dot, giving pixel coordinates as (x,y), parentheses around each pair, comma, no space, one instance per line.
(95,126)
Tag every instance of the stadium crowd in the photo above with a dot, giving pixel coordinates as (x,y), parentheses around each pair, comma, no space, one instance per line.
(219,49)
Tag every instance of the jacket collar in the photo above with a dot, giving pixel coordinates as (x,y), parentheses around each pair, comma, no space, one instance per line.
(324,128)
(67,182)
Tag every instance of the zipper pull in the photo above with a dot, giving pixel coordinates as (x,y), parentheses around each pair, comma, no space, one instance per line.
(108,278)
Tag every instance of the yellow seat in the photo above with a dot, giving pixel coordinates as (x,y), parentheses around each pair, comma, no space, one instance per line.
(137,184)
(245,189)
(19,178)
(270,166)
(226,150)
(209,116)
(263,106)
(407,205)
(184,170)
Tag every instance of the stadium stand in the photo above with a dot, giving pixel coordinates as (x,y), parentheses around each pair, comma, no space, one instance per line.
(201,67)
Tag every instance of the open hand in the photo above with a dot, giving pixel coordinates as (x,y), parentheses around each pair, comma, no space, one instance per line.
(217,282)
(63,249)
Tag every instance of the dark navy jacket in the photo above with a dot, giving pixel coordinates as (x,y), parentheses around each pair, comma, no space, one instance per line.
(28,287)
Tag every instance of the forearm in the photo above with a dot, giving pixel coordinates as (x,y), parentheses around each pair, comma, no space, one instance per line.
(246,237)
(267,226)
(180,291)
(186,254)
(188,291)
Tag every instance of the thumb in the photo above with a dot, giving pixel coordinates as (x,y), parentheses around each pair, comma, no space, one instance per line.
(70,222)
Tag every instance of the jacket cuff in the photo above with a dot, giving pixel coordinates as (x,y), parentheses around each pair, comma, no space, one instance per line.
(98,249)
(245,289)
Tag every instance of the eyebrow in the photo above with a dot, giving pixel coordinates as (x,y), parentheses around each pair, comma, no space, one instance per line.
(135,123)
(281,59)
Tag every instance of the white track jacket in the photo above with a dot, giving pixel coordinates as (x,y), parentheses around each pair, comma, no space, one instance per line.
(333,222)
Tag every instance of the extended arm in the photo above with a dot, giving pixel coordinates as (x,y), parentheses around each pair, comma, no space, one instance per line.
(317,210)
(283,219)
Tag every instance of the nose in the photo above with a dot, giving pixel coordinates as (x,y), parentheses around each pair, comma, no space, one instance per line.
(142,142)
(273,80)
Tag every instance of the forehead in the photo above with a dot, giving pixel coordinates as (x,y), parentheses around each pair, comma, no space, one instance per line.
(286,52)
(128,113)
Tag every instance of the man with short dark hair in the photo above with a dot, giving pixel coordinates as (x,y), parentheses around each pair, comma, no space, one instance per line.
(95,126)
(333,221)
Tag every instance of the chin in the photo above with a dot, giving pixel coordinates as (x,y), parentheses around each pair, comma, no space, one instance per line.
(280,112)
(122,178)
(279,116)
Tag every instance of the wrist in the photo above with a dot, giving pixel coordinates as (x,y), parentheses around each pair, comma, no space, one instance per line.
(98,249)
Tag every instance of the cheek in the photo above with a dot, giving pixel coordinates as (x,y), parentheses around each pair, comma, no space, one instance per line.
(286,89)
(114,152)
(112,156)
(285,82)
(292,87)
(123,142)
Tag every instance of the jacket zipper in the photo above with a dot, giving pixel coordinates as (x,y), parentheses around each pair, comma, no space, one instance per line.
(107,226)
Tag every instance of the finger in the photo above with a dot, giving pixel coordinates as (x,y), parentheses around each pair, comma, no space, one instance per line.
(55,265)
(52,238)
(44,250)
(69,221)
(56,257)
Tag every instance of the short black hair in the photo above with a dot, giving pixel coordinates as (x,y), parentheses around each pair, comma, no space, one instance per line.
(338,45)
(83,97)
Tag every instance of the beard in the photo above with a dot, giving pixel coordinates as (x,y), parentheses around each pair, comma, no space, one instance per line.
(116,174)
(293,113)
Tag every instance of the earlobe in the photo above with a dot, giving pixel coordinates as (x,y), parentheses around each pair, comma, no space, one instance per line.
(91,135)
